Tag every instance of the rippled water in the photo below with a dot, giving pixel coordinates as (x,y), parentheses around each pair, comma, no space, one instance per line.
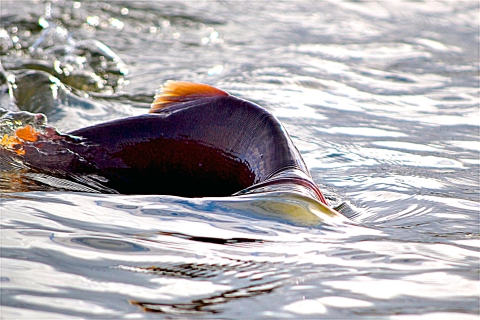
(380,98)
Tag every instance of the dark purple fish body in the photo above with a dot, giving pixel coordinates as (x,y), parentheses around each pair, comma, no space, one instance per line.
(192,145)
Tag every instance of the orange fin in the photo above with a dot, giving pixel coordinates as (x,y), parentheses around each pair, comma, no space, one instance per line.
(173,92)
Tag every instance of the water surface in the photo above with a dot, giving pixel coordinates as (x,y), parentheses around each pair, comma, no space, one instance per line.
(380,98)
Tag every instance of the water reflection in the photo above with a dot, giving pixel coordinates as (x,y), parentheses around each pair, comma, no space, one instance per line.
(380,98)
(205,305)
(105,244)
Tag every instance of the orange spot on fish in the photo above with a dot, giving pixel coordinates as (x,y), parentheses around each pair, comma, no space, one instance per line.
(15,142)
(27,133)
(9,141)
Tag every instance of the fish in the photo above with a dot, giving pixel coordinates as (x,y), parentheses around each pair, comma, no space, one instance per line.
(196,141)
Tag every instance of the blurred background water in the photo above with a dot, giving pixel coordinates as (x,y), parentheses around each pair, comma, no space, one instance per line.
(381,99)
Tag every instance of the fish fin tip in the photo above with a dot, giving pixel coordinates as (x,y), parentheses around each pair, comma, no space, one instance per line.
(172,92)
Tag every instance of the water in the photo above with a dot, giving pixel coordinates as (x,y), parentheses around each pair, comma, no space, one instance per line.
(380,98)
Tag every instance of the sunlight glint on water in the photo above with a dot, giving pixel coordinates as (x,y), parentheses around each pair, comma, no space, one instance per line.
(380,98)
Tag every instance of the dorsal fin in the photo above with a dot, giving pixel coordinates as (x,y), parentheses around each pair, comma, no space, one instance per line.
(173,92)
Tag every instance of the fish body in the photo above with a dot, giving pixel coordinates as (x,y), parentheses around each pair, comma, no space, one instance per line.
(197,141)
